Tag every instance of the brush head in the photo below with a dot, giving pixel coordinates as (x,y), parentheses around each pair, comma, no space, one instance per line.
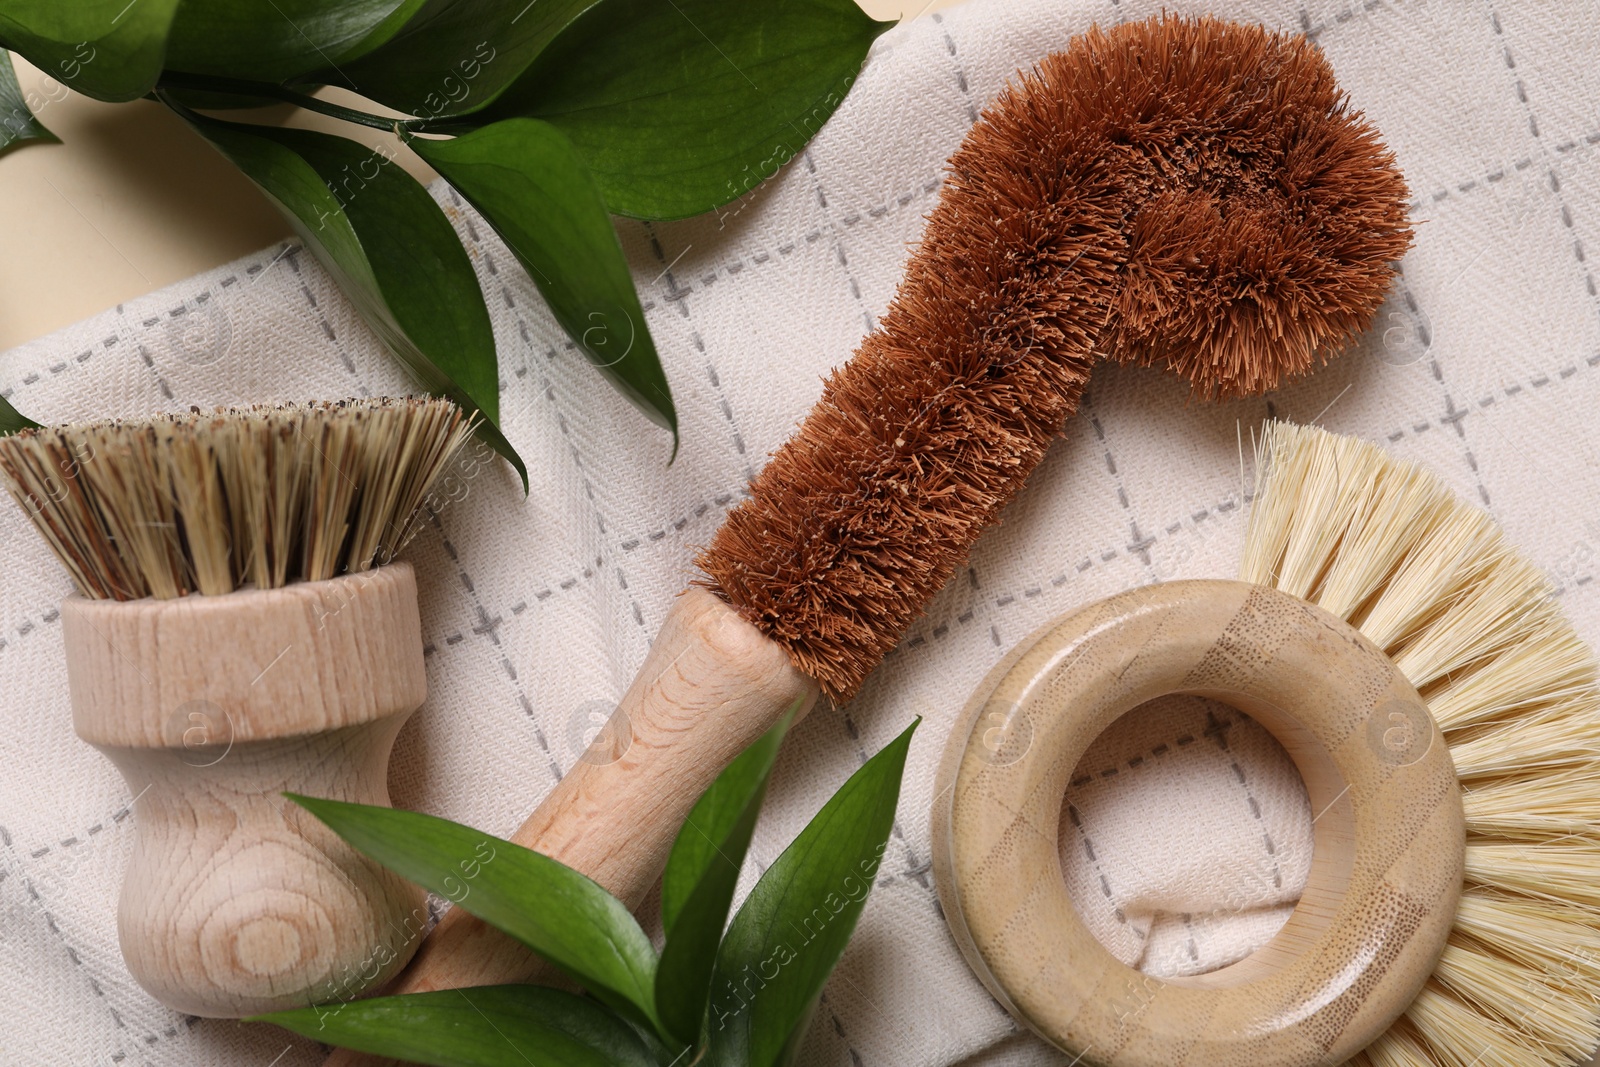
(1474,626)
(211,502)
(1181,192)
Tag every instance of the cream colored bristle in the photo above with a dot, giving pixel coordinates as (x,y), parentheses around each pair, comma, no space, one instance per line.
(1460,1035)
(1397,1048)
(1554,1014)
(1551,665)
(1535,806)
(1474,626)
(211,502)
(1440,571)
(1565,735)
(1560,871)
(1525,931)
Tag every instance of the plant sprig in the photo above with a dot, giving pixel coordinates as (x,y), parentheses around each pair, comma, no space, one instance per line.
(739,998)
(563,113)
(176,82)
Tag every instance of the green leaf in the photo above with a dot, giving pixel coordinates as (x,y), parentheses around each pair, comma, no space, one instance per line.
(794,926)
(390,249)
(456,56)
(526,180)
(12,420)
(17,124)
(276,40)
(697,888)
(484,1026)
(560,914)
(108,49)
(681,106)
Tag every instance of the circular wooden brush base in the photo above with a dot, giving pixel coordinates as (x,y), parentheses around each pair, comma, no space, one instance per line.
(1388,830)
(237,901)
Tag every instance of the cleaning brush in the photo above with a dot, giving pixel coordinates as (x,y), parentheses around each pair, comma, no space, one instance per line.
(1451,918)
(1472,623)
(1190,194)
(1186,193)
(241,629)
(209,503)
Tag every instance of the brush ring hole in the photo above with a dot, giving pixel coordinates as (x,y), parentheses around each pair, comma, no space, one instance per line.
(1388,833)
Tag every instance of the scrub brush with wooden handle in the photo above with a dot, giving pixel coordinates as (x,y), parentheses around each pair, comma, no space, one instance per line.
(1187,193)
(240,630)
(1472,624)
(1443,715)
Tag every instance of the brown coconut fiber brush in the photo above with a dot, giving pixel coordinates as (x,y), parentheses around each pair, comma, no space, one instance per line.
(1185,193)
(241,629)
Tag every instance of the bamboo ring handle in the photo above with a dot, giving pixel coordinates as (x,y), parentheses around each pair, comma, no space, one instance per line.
(236,901)
(1388,830)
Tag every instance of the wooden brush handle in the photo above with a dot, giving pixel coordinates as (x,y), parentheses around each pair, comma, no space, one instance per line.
(710,686)
(237,901)
(1388,830)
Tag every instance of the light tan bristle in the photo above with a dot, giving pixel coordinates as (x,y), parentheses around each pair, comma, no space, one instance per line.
(1555,1015)
(210,502)
(1555,737)
(1396,1047)
(1551,666)
(1459,1035)
(1534,806)
(1523,930)
(1474,626)
(1561,871)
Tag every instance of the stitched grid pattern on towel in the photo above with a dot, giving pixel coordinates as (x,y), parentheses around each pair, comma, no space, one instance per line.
(536,612)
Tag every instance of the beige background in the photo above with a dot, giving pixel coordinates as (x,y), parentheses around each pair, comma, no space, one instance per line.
(131,201)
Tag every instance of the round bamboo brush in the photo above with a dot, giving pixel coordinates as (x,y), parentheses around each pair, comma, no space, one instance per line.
(235,636)
(1187,193)
(1452,916)
(1472,623)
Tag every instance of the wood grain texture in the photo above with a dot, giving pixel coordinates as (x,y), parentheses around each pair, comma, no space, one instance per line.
(236,901)
(1388,831)
(709,687)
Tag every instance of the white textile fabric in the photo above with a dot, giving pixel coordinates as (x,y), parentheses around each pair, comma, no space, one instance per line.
(536,611)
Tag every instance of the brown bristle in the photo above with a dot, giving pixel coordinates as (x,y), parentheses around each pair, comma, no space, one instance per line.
(1188,193)
(209,502)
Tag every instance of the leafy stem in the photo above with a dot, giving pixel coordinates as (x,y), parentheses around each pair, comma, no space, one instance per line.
(179,80)
(718,994)
(555,116)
